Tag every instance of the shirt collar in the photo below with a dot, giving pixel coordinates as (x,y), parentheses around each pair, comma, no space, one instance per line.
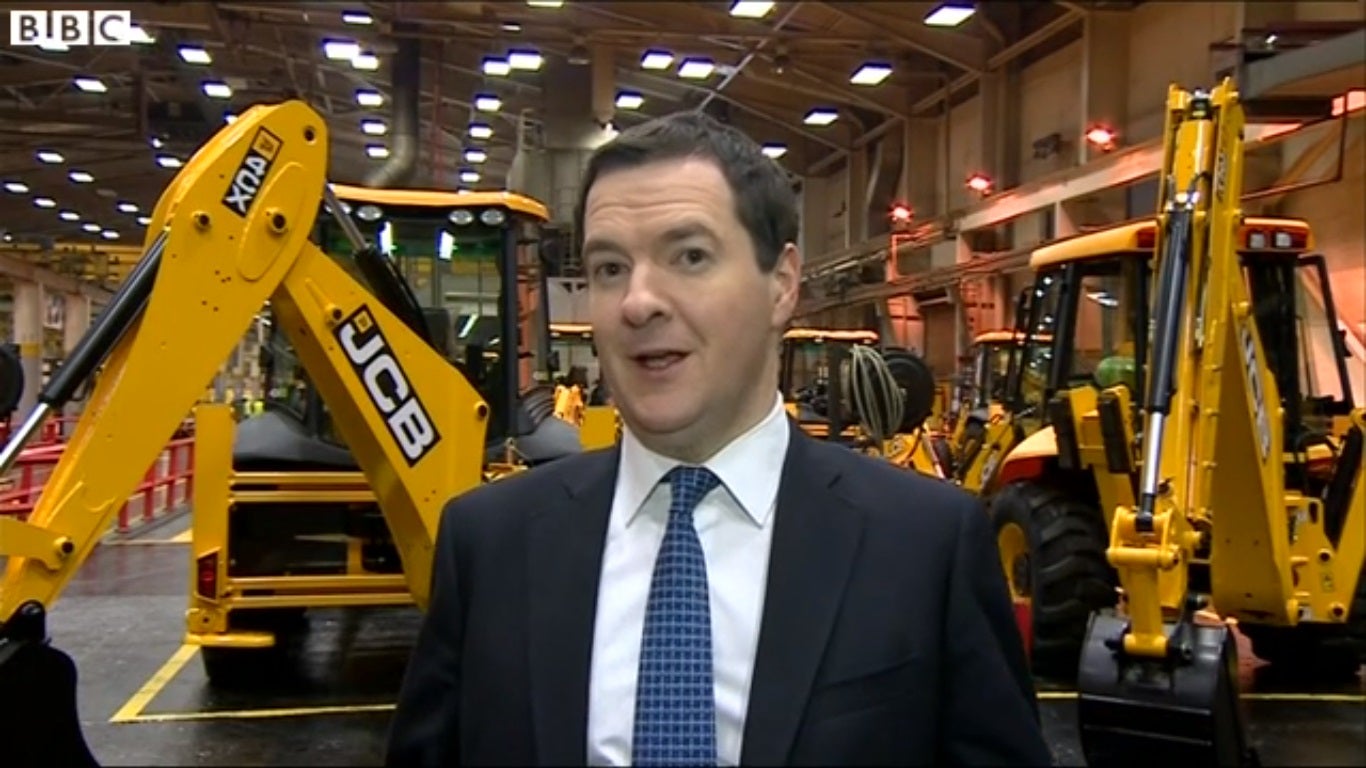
(749,467)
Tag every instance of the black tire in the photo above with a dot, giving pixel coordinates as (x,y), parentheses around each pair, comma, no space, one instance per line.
(1317,652)
(258,668)
(1062,570)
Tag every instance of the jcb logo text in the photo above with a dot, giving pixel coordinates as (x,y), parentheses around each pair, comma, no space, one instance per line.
(387,385)
(251,173)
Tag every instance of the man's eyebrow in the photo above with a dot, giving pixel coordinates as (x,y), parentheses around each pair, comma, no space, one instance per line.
(598,244)
(685,231)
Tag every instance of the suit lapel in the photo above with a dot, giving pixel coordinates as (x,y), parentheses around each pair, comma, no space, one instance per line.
(564,561)
(815,538)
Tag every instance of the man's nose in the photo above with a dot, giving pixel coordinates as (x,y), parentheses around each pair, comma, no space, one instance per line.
(646,296)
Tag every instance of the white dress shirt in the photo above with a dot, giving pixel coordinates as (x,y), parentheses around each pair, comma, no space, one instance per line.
(735,525)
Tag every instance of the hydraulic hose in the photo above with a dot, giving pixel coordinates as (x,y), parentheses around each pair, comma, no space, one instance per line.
(874,393)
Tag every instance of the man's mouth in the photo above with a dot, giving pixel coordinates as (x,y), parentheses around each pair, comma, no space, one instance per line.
(656,361)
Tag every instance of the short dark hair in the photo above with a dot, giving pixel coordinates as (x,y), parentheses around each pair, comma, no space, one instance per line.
(764,200)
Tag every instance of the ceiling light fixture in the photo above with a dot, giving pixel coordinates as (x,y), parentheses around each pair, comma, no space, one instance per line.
(629,100)
(340,50)
(16,187)
(367,62)
(821,116)
(525,60)
(476,156)
(696,69)
(360,18)
(168,161)
(373,127)
(367,98)
(750,9)
(127,207)
(950,15)
(545,3)
(871,74)
(511,26)
(90,84)
(91,226)
(44,202)
(50,157)
(487,102)
(144,220)
(480,131)
(193,54)
(469,177)
(109,234)
(655,59)
(139,35)
(215,89)
(69,216)
(774,151)
(496,66)
(376,151)
(80,177)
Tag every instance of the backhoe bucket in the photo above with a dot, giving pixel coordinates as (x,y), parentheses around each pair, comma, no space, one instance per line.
(40,725)
(1179,711)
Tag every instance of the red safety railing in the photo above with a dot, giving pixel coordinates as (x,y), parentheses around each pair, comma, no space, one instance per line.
(53,431)
(167,484)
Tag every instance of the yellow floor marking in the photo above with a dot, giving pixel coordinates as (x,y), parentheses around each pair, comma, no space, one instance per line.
(131,709)
(181,538)
(245,714)
(1330,698)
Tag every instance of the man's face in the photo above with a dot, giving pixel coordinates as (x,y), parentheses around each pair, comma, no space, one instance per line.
(685,321)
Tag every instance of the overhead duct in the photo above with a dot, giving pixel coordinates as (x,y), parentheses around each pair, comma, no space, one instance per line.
(405,89)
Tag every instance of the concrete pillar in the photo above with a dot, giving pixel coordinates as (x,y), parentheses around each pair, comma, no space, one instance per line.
(28,334)
(75,322)
(856,198)
(920,185)
(1104,78)
(989,88)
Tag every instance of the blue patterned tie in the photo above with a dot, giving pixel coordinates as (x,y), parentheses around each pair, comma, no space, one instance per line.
(675,700)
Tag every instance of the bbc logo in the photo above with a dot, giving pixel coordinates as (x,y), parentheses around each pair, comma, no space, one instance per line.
(71,28)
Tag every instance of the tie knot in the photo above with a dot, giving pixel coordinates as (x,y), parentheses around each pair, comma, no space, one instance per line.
(688,485)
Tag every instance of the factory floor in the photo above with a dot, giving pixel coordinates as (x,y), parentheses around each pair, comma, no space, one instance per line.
(144,699)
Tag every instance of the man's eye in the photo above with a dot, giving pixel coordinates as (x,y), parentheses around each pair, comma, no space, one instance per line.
(694,256)
(610,269)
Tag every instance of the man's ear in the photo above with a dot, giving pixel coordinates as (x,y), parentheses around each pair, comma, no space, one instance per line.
(787,281)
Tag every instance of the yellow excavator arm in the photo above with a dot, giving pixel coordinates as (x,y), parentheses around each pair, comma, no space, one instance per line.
(231,232)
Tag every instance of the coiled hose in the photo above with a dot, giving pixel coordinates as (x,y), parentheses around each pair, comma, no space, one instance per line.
(873,393)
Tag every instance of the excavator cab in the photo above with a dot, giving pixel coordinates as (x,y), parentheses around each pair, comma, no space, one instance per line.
(808,357)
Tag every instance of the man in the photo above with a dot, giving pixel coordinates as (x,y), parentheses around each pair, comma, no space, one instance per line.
(719,588)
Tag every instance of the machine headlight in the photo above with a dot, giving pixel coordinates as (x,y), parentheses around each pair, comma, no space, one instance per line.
(1282,239)
(369,213)
(461,217)
(1256,240)
(493,217)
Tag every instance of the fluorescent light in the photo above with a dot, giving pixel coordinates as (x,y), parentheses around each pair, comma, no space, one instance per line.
(695,69)
(545,3)
(821,117)
(193,54)
(91,227)
(377,151)
(338,50)
(368,62)
(750,9)
(144,220)
(167,161)
(109,234)
(774,151)
(511,26)
(480,131)
(656,60)
(949,15)
(127,208)
(476,156)
(156,142)
(69,216)
(139,35)
(48,156)
(629,100)
(80,177)
(16,187)
(496,66)
(525,60)
(369,98)
(90,84)
(217,90)
(54,47)
(487,102)
(871,74)
(229,118)
(358,17)
(44,202)
(469,177)
(373,127)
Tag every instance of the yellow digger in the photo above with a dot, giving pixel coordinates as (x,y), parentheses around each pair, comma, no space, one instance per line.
(1232,451)
(233,231)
